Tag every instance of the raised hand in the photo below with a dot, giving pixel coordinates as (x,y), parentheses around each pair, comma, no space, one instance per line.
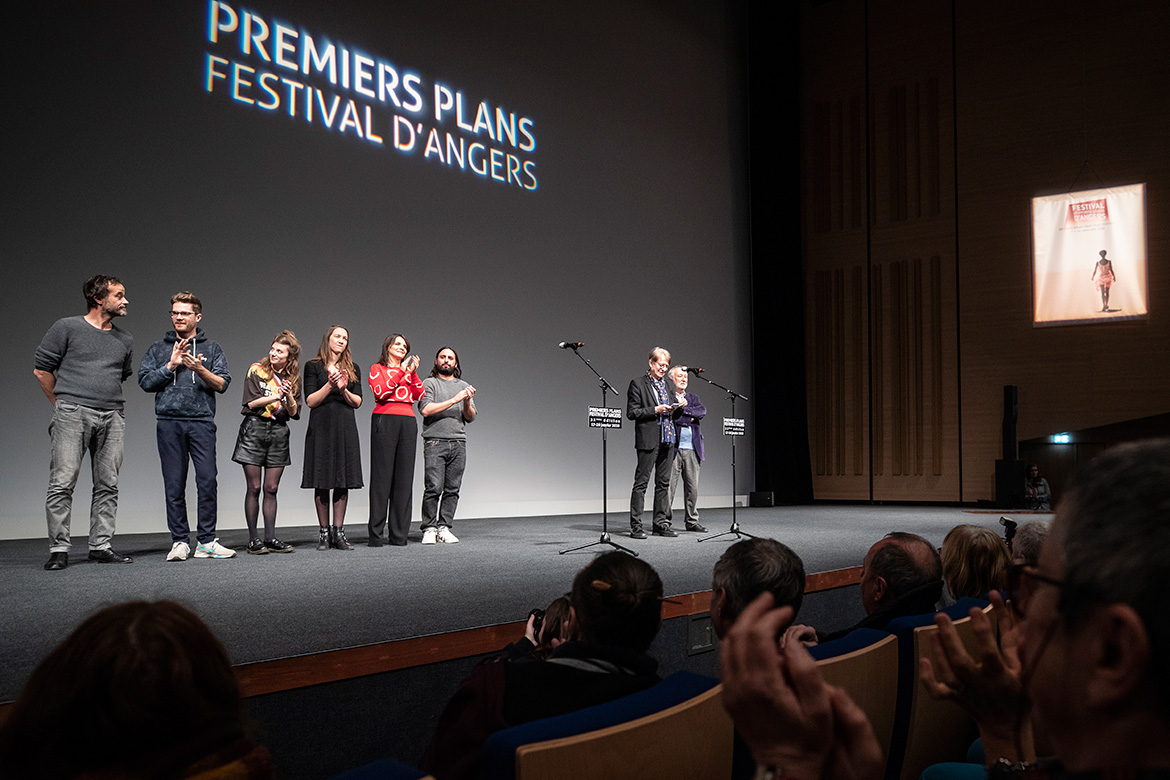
(988,686)
(178,349)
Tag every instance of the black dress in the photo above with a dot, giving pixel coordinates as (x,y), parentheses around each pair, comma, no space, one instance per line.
(333,457)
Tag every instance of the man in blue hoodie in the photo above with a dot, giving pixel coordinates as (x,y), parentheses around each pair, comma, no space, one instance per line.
(185,370)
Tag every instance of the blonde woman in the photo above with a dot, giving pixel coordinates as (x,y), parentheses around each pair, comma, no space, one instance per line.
(271,390)
(975,560)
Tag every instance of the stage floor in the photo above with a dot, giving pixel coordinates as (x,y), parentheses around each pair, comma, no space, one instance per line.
(278,606)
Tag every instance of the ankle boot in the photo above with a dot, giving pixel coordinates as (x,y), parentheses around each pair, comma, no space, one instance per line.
(338,538)
(326,538)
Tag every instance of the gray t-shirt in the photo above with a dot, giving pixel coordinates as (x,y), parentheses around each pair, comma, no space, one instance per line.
(90,363)
(449,423)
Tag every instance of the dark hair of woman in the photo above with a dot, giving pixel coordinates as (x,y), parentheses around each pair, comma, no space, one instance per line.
(384,358)
(617,600)
(138,689)
(555,617)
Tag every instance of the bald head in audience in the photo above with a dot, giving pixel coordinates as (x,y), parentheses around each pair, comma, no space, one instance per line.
(901,566)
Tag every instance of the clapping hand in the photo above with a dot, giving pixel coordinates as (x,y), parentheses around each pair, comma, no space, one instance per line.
(790,718)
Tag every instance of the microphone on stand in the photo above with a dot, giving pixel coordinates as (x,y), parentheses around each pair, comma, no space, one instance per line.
(693,370)
(571,344)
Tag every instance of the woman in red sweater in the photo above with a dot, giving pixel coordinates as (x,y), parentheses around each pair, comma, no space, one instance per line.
(393,434)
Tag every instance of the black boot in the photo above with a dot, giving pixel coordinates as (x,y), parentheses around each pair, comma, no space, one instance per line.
(337,537)
(325,540)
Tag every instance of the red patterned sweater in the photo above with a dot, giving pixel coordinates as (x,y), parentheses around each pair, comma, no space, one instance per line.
(395,391)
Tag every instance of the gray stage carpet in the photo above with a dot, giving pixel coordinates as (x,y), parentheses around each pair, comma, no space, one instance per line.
(276,606)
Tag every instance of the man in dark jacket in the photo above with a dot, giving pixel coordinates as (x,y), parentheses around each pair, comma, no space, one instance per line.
(185,370)
(652,407)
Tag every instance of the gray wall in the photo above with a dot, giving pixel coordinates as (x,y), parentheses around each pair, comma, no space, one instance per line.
(120,162)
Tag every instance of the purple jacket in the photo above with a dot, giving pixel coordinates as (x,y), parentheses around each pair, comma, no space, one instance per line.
(691,414)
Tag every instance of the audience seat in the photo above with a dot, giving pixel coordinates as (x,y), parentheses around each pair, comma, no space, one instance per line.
(865,663)
(927,731)
(678,728)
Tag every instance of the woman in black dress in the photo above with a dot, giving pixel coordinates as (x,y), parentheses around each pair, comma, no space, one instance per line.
(333,458)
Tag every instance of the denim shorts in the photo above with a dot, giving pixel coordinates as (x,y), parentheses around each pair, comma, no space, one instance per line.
(262,442)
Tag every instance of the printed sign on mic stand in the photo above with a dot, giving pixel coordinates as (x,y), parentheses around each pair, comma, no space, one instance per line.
(604,417)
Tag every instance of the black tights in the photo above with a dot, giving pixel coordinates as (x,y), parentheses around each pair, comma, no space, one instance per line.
(254,476)
(321,501)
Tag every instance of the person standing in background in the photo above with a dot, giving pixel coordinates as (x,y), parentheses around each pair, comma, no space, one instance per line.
(446,407)
(333,457)
(271,390)
(688,454)
(81,364)
(393,433)
(185,371)
(651,405)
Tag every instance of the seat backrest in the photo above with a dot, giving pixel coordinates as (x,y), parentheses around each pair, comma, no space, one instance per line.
(677,728)
(927,731)
(865,663)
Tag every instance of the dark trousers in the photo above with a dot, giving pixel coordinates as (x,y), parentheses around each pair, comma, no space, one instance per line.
(180,442)
(393,438)
(443,463)
(658,459)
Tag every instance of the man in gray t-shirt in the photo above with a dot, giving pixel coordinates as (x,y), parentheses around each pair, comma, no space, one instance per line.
(446,408)
(81,365)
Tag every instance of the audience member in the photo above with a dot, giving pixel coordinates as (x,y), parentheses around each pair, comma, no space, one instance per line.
(1089,657)
(615,611)
(1027,541)
(751,567)
(139,690)
(901,575)
(974,561)
(1037,495)
(542,634)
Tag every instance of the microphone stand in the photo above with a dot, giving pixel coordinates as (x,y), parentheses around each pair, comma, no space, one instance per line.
(735,529)
(605,539)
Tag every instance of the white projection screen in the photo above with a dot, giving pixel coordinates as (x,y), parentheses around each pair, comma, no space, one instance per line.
(1072,234)
(492,176)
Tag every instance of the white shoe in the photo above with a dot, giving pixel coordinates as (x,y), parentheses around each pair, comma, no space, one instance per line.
(429,536)
(446,537)
(214,549)
(179,551)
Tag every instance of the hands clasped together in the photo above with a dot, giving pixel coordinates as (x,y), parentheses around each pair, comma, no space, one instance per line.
(792,720)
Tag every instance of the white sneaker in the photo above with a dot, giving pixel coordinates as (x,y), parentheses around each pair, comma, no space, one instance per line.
(179,551)
(214,549)
(446,537)
(429,536)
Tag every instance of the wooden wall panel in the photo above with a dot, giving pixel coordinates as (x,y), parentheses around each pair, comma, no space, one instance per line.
(835,217)
(1055,97)
(879,251)
(934,133)
(914,351)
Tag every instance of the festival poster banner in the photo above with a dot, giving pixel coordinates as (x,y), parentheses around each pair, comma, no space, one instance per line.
(1089,256)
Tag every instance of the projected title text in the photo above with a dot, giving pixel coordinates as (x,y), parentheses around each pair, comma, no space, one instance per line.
(273,67)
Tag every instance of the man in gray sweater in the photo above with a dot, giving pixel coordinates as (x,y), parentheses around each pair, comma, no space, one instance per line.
(81,365)
(446,408)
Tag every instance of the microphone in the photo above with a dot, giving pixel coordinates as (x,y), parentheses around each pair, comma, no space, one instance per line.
(693,370)
(571,344)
